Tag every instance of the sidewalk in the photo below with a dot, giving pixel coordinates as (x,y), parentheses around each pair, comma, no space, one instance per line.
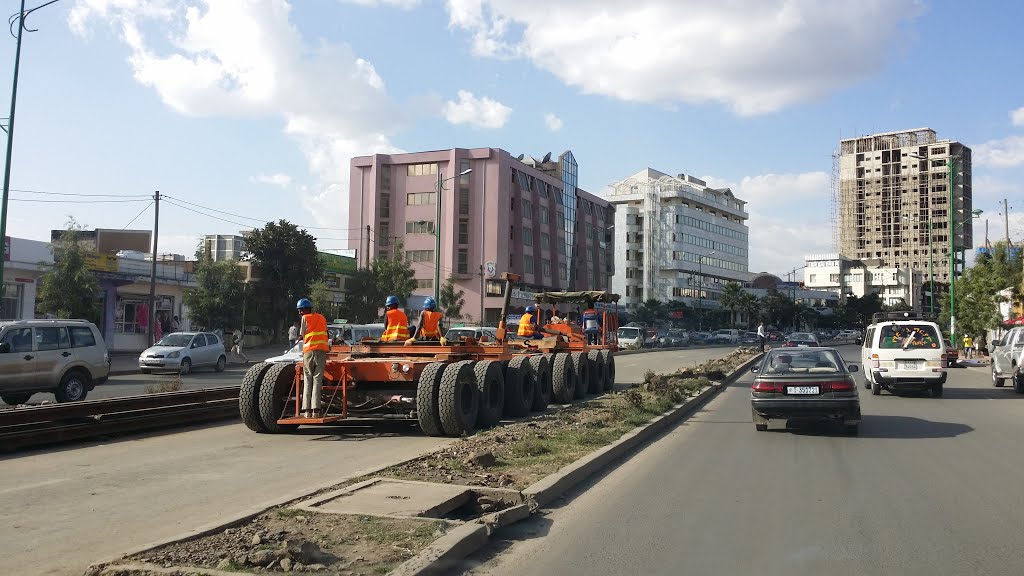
(126,363)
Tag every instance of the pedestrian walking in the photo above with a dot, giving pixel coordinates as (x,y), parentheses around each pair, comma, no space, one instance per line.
(313,330)
(968,345)
(236,345)
(761,336)
(293,335)
(175,325)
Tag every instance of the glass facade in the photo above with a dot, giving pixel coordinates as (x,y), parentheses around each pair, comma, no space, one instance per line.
(570,173)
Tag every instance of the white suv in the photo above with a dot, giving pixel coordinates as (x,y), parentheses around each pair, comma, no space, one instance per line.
(1006,354)
(903,354)
(66,357)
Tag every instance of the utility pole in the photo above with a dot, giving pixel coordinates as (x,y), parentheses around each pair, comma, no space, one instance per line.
(10,144)
(367,245)
(1006,221)
(152,269)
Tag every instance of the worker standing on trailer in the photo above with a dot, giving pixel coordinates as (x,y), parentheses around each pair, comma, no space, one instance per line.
(527,327)
(591,321)
(430,324)
(396,323)
(313,331)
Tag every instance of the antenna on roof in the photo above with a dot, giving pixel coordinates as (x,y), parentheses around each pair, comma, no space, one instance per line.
(547,158)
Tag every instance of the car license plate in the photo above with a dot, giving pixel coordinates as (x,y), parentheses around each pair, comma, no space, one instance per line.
(802,390)
(910,365)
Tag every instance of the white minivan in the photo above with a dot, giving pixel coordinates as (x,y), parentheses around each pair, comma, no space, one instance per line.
(631,337)
(1006,353)
(902,352)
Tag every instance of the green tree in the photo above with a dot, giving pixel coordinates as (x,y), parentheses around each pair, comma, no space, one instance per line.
(983,287)
(289,264)
(751,308)
(652,311)
(390,275)
(452,300)
(777,308)
(732,294)
(69,288)
(216,301)
(322,299)
(362,300)
(898,306)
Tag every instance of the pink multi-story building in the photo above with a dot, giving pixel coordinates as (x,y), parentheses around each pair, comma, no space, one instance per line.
(505,214)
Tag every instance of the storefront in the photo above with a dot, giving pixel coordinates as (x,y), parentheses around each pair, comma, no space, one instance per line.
(25,261)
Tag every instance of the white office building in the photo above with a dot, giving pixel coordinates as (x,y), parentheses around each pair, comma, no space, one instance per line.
(848,277)
(676,239)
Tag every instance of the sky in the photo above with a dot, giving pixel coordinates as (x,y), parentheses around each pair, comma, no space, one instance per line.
(244,111)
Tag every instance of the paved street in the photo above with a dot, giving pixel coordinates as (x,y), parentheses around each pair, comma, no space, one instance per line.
(929,487)
(71,505)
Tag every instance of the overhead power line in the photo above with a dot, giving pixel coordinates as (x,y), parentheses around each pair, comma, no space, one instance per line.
(75,201)
(261,220)
(25,191)
(137,216)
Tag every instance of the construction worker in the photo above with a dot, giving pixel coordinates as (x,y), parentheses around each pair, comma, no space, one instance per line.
(429,325)
(396,323)
(527,327)
(313,331)
(591,322)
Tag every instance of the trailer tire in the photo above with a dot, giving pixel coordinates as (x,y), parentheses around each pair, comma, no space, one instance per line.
(541,367)
(520,387)
(458,399)
(581,367)
(274,393)
(609,370)
(597,372)
(249,397)
(427,390)
(490,381)
(563,379)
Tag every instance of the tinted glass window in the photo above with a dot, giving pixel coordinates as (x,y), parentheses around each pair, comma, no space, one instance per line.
(211,339)
(82,336)
(795,361)
(52,338)
(20,339)
(199,341)
(909,336)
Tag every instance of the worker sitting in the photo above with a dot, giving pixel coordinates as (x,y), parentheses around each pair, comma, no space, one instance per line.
(592,324)
(396,323)
(430,324)
(527,327)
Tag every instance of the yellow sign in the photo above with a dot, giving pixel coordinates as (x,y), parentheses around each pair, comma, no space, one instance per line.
(100,262)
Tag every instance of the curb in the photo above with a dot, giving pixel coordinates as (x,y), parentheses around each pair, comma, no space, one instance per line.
(136,371)
(441,556)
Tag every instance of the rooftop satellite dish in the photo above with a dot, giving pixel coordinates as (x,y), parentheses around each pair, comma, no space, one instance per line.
(547,158)
(520,157)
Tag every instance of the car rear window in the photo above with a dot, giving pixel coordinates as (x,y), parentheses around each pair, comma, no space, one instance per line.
(795,361)
(910,336)
(629,332)
(81,336)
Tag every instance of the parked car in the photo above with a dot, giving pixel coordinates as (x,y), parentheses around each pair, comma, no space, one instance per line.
(903,352)
(952,354)
(630,337)
(184,351)
(477,332)
(801,339)
(847,335)
(675,337)
(700,337)
(805,383)
(66,357)
(292,355)
(1006,354)
(726,336)
(748,338)
(355,333)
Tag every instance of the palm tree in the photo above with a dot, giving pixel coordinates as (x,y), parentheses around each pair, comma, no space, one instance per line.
(751,307)
(732,295)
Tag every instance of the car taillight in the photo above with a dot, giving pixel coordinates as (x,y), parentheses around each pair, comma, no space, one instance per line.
(790,344)
(837,386)
(760,386)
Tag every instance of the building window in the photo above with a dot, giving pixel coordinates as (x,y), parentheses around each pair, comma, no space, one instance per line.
(421,169)
(546,268)
(543,188)
(12,298)
(463,188)
(495,288)
(545,241)
(543,215)
(527,209)
(419,198)
(383,234)
(527,236)
(419,227)
(425,283)
(463,231)
(561,273)
(813,278)
(385,205)
(462,262)
(561,246)
(420,255)
(590,254)
(528,264)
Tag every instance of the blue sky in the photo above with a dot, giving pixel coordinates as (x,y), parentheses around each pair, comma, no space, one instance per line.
(253,108)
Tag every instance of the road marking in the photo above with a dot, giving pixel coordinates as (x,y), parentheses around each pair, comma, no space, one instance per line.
(33,486)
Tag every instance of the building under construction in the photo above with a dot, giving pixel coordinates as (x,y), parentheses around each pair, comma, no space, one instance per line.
(893,189)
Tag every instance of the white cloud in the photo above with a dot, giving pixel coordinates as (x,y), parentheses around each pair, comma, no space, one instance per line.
(480,112)
(756,56)
(788,217)
(554,123)
(275,179)
(1003,153)
(245,58)
(403,4)
(1017,116)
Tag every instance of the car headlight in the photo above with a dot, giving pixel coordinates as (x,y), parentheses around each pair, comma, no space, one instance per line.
(174,354)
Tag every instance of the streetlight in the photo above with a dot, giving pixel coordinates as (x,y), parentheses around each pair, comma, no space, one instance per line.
(700,287)
(437,231)
(931,265)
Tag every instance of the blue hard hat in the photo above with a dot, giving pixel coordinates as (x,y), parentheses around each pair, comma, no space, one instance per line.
(303,303)
(530,309)
(429,304)
(391,301)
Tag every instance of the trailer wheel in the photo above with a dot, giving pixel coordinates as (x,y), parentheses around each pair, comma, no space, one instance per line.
(274,394)
(490,381)
(541,367)
(609,369)
(520,387)
(427,387)
(249,397)
(597,372)
(458,400)
(563,379)
(582,369)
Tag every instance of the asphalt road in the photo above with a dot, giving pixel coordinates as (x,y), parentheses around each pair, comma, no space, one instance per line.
(930,487)
(72,505)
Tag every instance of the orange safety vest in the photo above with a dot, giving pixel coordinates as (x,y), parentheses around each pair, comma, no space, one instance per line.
(429,328)
(398,326)
(316,333)
(526,325)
